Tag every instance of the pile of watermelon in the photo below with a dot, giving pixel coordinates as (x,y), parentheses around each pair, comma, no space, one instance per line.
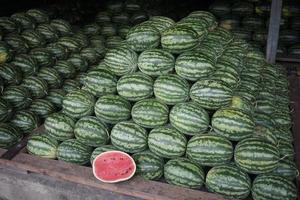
(43,58)
(191,103)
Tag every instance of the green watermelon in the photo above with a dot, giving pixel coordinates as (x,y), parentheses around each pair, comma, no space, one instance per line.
(51,76)
(9,135)
(37,86)
(42,145)
(58,51)
(25,120)
(62,26)
(42,107)
(161,23)
(70,43)
(101,149)
(91,131)
(150,113)
(148,165)
(16,42)
(286,168)
(129,137)
(71,85)
(43,56)
(9,25)
(48,31)
(167,142)
(5,110)
(183,172)
(18,96)
(91,54)
(65,69)
(102,17)
(39,15)
(10,74)
(78,62)
(112,109)
(60,126)
(91,29)
(108,29)
(33,38)
(56,96)
(27,64)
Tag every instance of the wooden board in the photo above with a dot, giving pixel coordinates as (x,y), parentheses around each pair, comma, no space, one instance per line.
(137,187)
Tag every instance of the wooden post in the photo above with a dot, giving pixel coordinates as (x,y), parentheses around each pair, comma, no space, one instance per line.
(273,32)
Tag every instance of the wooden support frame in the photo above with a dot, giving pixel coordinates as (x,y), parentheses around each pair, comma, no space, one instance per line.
(273,32)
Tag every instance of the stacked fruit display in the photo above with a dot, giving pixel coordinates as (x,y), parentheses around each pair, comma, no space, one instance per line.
(250,20)
(191,103)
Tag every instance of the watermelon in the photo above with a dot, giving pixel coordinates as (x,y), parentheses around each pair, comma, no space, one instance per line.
(43,56)
(123,30)
(78,62)
(42,107)
(5,110)
(62,26)
(25,120)
(161,23)
(101,149)
(9,135)
(51,76)
(135,86)
(82,39)
(113,42)
(199,25)
(78,103)
(39,15)
(112,109)
(183,172)
(148,165)
(138,17)
(155,62)
(70,43)
(58,51)
(25,20)
(266,133)
(178,39)
(5,53)
(91,54)
(91,131)
(209,150)
(60,126)
(120,18)
(129,137)
(33,38)
(256,156)
(8,25)
(16,42)
(71,85)
(48,31)
(42,145)
(37,86)
(171,89)
(286,168)
(56,96)
(18,96)
(108,29)
(150,113)
(167,142)
(73,151)
(121,60)
(91,29)
(211,94)
(272,187)
(27,64)
(193,65)
(102,17)
(65,69)
(189,118)
(142,37)
(238,187)
(113,166)
(10,74)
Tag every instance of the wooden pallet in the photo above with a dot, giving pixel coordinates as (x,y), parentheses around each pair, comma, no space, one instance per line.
(136,188)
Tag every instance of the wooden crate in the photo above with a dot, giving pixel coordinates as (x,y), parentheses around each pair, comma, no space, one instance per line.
(136,188)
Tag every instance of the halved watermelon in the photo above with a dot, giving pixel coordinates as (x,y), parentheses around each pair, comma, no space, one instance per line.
(113,167)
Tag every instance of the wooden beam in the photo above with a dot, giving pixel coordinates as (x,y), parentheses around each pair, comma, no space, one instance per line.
(136,187)
(273,33)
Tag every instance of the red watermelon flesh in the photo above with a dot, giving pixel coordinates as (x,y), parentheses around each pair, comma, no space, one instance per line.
(113,166)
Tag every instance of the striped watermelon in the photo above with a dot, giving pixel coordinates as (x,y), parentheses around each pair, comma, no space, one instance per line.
(233,123)
(211,94)
(161,23)
(43,56)
(48,32)
(91,55)
(18,96)
(5,110)
(78,103)
(16,42)
(112,109)
(100,150)
(91,29)
(71,85)
(100,82)
(155,62)
(62,26)
(91,131)
(58,51)
(121,60)
(189,118)
(266,133)
(183,172)
(102,17)
(27,64)
(25,120)
(56,96)
(5,53)
(178,39)
(65,68)
(42,107)
(209,150)
(108,29)
(78,62)
(25,20)
(42,145)
(9,135)
(142,37)
(123,30)
(167,142)
(60,126)
(150,113)
(33,38)
(129,137)
(37,86)
(73,151)
(70,43)
(286,168)
(81,38)
(272,187)
(10,74)
(39,15)
(8,25)
(193,65)
(171,89)
(238,187)
(113,42)
(149,165)
(256,156)
(135,86)
(51,76)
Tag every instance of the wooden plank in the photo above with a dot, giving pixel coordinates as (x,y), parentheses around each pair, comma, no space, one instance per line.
(273,32)
(137,187)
